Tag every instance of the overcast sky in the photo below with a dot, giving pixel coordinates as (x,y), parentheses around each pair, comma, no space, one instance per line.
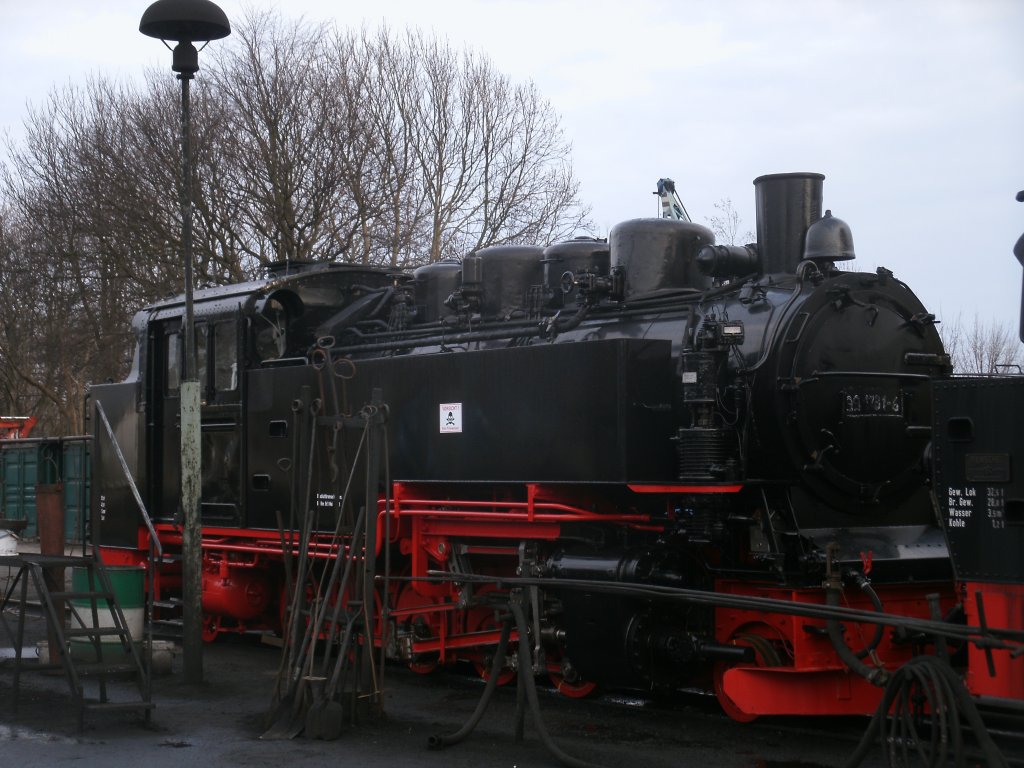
(913,109)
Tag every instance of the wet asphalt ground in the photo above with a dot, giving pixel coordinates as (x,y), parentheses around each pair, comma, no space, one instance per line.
(220,721)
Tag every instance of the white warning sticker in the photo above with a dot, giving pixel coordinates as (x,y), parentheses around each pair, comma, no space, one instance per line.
(451,417)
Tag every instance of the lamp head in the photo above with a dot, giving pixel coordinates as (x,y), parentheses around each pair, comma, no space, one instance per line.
(185,21)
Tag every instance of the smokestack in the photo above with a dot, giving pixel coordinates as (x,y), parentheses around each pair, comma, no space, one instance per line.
(787,204)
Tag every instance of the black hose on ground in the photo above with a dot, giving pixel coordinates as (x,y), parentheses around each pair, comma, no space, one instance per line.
(925,691)
(527,690)
(526,680)
(440,741)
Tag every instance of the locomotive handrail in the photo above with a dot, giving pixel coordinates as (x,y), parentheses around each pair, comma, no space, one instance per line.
(317,549)
(496,331)
(131,481)
(551,517)
(467,509)
(873,374)
(503,505)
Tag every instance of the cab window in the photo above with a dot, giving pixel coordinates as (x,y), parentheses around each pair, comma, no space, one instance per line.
(201,348)
(270,326)
(225,357)
(172,363)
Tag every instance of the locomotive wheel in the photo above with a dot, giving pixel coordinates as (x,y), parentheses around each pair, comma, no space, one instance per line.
(423,665)
(211,628)
(567,680)
(765,655)
(408,598)
(481,619)
(482,666)
(578,690)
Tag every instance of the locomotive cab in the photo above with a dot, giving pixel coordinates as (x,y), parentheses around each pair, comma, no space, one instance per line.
(239,331)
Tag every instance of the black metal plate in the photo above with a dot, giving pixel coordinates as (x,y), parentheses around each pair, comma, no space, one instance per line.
(978,453)
(591,411)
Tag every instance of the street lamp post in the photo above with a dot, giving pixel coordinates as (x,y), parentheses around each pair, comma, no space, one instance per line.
(186,22)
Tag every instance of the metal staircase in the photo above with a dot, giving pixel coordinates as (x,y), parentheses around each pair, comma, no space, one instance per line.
(98,626)
(166,614)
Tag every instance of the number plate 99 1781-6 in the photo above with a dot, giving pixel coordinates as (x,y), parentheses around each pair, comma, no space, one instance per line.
(871,402)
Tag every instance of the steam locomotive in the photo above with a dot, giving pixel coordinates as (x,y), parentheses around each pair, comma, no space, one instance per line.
(649,410)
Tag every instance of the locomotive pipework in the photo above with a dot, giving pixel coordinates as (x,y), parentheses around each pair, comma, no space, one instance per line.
(654,410)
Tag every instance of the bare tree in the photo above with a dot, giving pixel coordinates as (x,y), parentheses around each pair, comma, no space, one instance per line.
(282,146)
(309,143)
(78,212)
(981,348)
(384,149)
(494,162)
(376,87)
(727,225)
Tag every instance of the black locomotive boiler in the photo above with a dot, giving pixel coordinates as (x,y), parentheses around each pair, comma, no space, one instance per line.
(650,409)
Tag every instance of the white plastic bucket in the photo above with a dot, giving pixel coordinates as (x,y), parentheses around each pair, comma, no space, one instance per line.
(8,544)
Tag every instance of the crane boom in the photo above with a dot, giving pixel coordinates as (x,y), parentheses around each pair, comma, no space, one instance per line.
(671,206)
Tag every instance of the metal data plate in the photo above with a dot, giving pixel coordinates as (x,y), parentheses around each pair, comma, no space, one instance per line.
(978,463)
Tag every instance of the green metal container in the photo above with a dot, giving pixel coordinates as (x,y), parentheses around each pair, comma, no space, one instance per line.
(76,459)
(24,464)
